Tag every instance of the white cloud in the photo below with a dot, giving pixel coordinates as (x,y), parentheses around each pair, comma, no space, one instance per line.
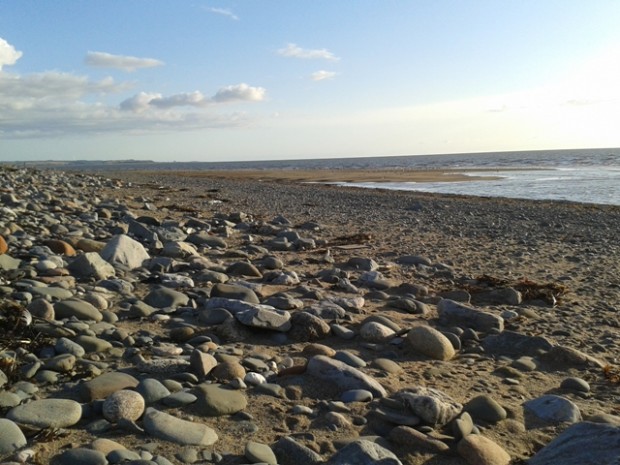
(8,54)
(122,62)
(323,75)
(294,51)
(237,93)
(139,102)
(240,92)
(224,12)
(192,99)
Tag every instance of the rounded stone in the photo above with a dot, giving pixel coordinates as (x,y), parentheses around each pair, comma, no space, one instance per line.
(11,437)
(123,405)
(486,409)
(430,342)
(376,332)
(228,370)
(479,450)
(575,384)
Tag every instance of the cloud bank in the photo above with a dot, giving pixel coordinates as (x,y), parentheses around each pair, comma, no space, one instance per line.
(54,103)
(122,62)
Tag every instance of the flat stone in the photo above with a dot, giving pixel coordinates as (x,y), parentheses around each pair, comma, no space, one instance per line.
(80,456)
(479,450)
(430,342)
(257,452)
(77,308)
(453,313)
(167,427)
(584,443)
(344,376)
(216,400)
(164,297)
(363,452)
(11,437)
(411,437)
(265,318)
(513,343)
(93,344)
(106,384)
(47,413)
(568,356)
(234,291)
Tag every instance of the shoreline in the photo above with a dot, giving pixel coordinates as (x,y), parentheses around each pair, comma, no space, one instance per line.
(334,175)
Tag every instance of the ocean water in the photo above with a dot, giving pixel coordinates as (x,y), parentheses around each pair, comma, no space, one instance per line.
(584,175)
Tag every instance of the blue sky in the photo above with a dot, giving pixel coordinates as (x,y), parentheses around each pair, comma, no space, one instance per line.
(246,80)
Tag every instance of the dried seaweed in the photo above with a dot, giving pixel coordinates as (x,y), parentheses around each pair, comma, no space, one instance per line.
(611,374)
(530,290)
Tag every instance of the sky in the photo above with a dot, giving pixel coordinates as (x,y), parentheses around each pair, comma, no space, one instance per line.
(202,80)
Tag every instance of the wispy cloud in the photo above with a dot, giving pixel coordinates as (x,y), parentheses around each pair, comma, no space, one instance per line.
(294,51)
(8,54)
(323,75)
(122,62)
(223,12)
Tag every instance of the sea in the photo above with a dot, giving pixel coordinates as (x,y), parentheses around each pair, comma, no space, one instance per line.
(583,175)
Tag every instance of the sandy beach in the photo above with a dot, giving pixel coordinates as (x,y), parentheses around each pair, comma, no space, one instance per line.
(507,310)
